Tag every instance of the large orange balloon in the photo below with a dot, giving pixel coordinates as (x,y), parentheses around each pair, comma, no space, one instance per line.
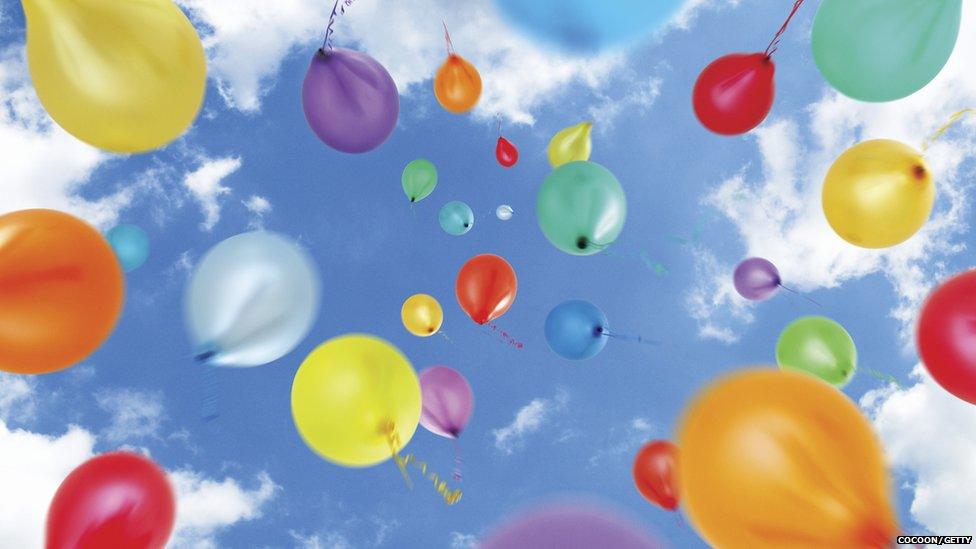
(61,291)
(782,459)
(486,287)
(457,85)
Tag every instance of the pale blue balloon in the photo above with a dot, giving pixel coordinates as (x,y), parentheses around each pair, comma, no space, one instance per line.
(251,300)
(576,330)
(456,218)
(131,245)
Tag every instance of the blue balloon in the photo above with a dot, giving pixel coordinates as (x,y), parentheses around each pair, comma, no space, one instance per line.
(576,330)
(456,218)
(587,26)
(131,245)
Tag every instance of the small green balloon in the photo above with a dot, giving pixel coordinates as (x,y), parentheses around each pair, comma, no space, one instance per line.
(419,179)
(882,50)
(581,208)
(456,218)
(820,347)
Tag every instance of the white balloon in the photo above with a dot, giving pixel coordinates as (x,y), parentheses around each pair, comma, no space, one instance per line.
(504,212)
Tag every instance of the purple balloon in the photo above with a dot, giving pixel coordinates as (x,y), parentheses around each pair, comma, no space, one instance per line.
(350,101)
(756,279)
(447,401)
(570,526)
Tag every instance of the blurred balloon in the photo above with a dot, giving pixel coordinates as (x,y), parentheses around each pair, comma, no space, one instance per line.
(447,401)
(418,179)
(350,100)
(352,397)
(735,92)
(251,300)
(486,287)
(130,244)
(126,77)
(456,218)
(946,333)
(818,346)
(780,459)
(576,329)
(565,525)
(882,50)
(506,153)
(119,499)
(457,84)
(581,208)
(504,212)
(756,279)
(61,291)
(878,193)
(421,315)
(656,473)
(570,144)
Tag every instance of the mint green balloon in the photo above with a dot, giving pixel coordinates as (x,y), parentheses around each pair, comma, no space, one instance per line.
(820,347)
(882,50)
(581,208)
(456,218)
(419,179)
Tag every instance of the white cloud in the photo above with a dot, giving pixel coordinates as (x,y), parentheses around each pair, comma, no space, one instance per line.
(134,414)
(640,97)
(931,436)
(204,184)
(258,206)
(17,401)
(621,443)
(463,541)
(331,540)
(529,419)
(206,506)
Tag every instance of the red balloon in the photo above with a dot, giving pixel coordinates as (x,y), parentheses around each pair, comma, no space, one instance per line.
(113,500)
(735,92)
(656,473)
(506,153)
(947,335)
(486,287)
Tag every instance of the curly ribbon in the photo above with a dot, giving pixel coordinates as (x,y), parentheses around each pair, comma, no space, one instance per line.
(447,40)
(450,496)
(774,43)
(656,267)
(503,335)
(339,8)
(883,376)
(945,127)
(605,332)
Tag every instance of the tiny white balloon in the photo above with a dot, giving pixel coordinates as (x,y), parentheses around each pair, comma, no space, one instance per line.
(504,212)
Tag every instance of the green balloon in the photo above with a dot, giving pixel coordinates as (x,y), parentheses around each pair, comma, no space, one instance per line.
(820,347)
(456,218)
(581,208)
(882,50)
(419,179)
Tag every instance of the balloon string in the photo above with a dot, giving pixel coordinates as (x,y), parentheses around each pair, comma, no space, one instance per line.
(605,332)
(209,409)
(883,376)
(794,292)
(447,40)
(458,461)
(655,267)
(498,126)
(774,43)
(945,127)
(450,496)
(337,10)
(505,336)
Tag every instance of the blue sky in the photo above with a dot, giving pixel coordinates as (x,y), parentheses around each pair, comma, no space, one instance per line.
(542,426)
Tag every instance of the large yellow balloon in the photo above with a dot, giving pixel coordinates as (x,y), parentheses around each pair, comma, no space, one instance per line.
(878,193)
(422,315)
(781,459)
(570,145)
(351,396)
(122,76)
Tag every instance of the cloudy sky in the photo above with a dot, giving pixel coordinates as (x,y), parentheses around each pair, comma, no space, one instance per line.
(542,427)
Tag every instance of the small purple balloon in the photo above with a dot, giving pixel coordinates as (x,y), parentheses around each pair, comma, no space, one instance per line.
(564,526)
(350,101)
(447,401)
(756,279)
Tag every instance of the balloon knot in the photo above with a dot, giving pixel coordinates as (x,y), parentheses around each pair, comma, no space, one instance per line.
(205,355)
(582,242)
(918,171)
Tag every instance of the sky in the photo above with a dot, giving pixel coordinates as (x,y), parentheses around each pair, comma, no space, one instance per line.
(543,427)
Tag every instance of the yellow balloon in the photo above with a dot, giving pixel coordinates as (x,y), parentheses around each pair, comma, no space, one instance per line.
(782,459)
(422,315)
(351,396)
(878,193)
(570,144)
(122,76)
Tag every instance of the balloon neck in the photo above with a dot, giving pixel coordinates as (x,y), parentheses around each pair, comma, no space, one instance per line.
(205,355)
(919,172)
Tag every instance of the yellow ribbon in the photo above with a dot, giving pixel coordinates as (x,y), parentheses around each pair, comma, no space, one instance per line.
(450,496)
(945,127)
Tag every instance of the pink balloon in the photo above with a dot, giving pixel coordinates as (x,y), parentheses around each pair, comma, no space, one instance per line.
(447,401)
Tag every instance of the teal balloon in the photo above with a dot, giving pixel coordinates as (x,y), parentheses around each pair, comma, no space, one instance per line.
(131,245)
(581,208)
(818,346)
(456,218)
(882,50)
(419,179)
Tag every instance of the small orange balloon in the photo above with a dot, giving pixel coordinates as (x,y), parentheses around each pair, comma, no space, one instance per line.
(782,459)
(61,291)
(457,85)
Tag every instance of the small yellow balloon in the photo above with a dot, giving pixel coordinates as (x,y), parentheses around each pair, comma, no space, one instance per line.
(422,315)
(352,396)
(122,76)
(570,144)
(878,193)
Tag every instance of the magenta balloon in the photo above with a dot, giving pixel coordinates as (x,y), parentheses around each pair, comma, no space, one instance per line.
(447,401)
(350,101)
(756,279)
(562,526)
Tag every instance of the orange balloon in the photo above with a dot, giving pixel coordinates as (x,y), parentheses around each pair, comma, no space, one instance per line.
(486,287)
(61,291)
(782,459)
(457,85)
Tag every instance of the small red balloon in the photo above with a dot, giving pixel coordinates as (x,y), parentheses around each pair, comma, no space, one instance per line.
(113,500)
(486,287)
(947,335)
(735,93)
(656,473)
(506,153)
